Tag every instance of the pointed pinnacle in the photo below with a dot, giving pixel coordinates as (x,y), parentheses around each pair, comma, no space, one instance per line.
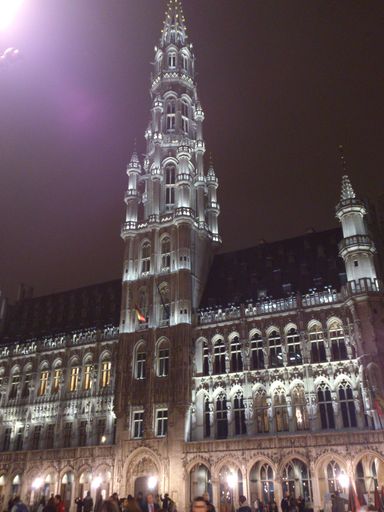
(346,189)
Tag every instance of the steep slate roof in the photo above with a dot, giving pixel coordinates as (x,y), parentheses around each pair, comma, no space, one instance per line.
(93,306)
(302,263)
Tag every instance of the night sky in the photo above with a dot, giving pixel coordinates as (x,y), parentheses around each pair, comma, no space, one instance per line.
(282,83)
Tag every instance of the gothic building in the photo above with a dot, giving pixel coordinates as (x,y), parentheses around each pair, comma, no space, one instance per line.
(254,372)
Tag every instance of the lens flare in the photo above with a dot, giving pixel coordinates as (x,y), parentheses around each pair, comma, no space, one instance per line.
(8,11)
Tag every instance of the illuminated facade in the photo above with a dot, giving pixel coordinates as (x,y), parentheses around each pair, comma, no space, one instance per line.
(278,390)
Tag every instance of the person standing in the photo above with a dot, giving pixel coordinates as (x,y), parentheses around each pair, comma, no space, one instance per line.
(285,503)
(59,503)
(150,505)
(88,503)
(244,507)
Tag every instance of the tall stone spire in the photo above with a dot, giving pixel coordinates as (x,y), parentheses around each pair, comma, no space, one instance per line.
(174,30)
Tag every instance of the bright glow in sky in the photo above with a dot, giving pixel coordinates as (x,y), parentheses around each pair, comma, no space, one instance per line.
(8,10)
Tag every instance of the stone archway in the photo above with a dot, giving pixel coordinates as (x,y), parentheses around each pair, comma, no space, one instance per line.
(143,473)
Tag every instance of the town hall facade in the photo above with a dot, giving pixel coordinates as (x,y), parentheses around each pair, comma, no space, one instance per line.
(257,372)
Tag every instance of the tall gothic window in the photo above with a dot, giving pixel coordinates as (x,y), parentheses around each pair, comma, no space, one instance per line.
(347,405)
(15,383)
(337,340)
(257,354)
(43,384)
(87,376)
(165,254)
(26,385)
(267,483)
(171,116)
(105,377)
(205,358)
(221,416)
(207,418)
(172,60)
(219,357)
(333,474)
(293,348)
(145,258)
(236,358)
(275,352)
(300,413)
(140,362)
(184,116)
(170,180)
(261,413)
(280,412)
(163,359)
(324,399)
(239,414)
(74,378)
(316,339)
(184,62)
(57,376)
(296,480)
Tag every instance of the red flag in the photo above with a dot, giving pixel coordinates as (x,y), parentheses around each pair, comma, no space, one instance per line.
(377,500)
(141,318)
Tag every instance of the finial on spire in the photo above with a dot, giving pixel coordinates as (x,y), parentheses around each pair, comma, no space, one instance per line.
(342,158)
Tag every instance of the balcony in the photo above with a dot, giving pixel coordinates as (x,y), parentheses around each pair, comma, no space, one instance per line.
(130,194)
(356,242)
(365,285)
(183,211)
(184,177)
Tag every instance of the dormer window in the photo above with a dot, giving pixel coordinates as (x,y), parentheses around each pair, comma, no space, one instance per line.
(172,60)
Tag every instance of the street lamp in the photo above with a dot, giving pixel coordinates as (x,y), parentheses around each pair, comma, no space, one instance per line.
(152,482)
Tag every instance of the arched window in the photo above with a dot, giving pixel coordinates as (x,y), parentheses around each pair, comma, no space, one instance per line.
(15,384)
(219,357)
(205,358)
(280,411)
(261,413)
(87,375)
(257,354)
(275,353)
(293,348)
(300,413)
(27,382)
(172,60)
(337,340)
(221,416)
(324,399)
(236,359)
(105,373)
(143,306)
(207,417)
(200,481)
(140,362)
(333,474)
(316,339)
(145,258)
(239,414)
(184,62)
(347,405)
(43,382)
(163,359)
(296,480)
(184,116)
(57,378)
(267,485)
(171,116)
(165,248)
(360,480)
(74,374)
(164,303)
(170,180)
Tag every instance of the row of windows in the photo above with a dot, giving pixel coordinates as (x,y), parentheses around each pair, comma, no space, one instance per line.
(277,351)
(162,361)
(276,419)
(173,59)
(170,119)
(44,437)
(165,248)
(161,423)
(79,378)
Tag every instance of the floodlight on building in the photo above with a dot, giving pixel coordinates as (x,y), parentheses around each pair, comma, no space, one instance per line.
(103,439)
(37,483)
(96,482)
(152,482)
(231,480)
(343,480)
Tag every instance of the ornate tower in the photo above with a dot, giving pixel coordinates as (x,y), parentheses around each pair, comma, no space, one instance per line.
(170,233)
(356,248)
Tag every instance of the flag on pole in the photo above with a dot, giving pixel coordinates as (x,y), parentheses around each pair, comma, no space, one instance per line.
(139,315)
